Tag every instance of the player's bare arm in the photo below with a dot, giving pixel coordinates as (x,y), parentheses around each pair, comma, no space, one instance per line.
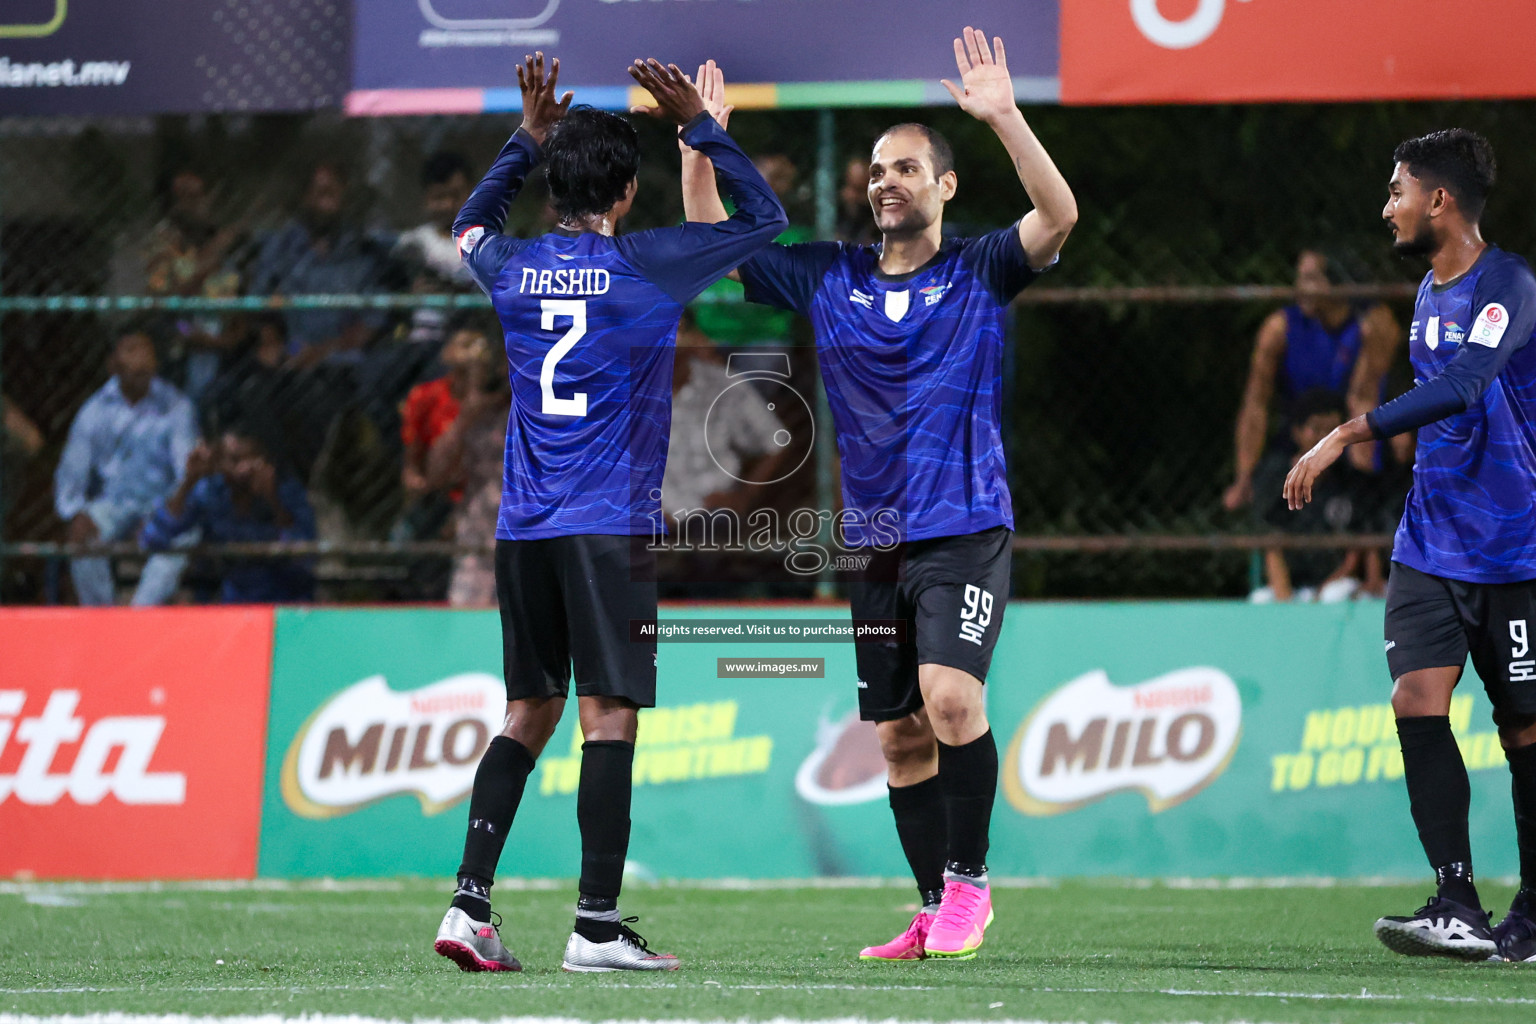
(1298,483)
(701,193)
(1253,416)
(541,110)
(986,93)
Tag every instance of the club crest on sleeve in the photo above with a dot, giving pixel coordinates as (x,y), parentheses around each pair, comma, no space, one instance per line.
(469,239)
(1489,326)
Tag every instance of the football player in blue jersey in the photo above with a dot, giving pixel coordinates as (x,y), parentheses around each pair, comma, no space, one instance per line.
(909,336)
(1464,560)
(590,319)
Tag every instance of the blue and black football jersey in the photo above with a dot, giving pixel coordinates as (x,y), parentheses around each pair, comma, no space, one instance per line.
(1472,512)
(590,323)
(913,371)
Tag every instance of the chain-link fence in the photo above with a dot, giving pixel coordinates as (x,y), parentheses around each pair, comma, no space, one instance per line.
(296,285)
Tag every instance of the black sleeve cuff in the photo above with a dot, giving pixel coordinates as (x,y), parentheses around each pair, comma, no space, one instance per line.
(528,142)
(693,123)
(1374,426)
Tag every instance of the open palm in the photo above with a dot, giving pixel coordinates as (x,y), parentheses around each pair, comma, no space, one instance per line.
(986,89)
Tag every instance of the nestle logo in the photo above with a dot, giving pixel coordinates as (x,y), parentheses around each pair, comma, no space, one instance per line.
(369,742)
(1166,738)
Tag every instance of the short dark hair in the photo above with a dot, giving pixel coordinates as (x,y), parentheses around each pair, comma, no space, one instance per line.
(1339,266)
(1459,161)
(473,320)
(592,156)
(939,149)
(440,167)
(1316,402)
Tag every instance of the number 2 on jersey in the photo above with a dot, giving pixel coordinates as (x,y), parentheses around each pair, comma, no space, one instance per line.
(576,309)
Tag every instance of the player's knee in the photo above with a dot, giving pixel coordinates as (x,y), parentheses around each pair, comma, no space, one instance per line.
(1516,730)
(906,741)
(532,722)
(1415,696)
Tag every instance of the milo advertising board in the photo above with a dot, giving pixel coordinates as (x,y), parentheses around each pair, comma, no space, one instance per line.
(1190,739)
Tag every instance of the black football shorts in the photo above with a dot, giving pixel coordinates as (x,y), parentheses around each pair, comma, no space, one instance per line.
(1435,622)
(951,592)
(569,601)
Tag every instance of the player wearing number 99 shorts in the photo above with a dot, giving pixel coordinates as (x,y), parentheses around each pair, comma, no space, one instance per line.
(590,321)
(910,336)
(1464,560)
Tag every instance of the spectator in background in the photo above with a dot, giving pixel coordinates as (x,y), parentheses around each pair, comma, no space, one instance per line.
(126,450)
(429,248)
(854,224)
(470,455)
(426,261)
(188,255)
(722,311)
(20,441)
(260,385)
(430,409)
(234,493)
(318,251)
(1322,341)
(724,439)
(1341,504)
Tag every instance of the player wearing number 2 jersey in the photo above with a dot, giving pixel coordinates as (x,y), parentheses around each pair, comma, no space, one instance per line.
(590,322)
(1464,563)
(909,336)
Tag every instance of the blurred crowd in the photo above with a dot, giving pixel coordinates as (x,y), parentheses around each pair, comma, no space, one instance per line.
(345,425)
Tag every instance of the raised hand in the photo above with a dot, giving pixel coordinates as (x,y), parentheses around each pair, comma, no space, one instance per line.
(711,86)
(540,108)
(676,98)
(199,461)
(986,89)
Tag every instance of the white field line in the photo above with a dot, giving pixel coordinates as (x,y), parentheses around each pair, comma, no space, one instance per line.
(122,1018)
(132,1018)
(352,885)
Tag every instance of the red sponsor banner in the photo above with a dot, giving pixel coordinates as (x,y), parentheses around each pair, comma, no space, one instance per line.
(1206,51)
(132,741)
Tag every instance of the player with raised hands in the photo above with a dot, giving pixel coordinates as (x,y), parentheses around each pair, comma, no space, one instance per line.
(590,318)
(910,334)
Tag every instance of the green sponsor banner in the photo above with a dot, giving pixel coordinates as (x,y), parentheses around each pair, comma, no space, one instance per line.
(1135,739)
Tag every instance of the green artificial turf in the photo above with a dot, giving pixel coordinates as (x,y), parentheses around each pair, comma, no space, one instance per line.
(1074,951)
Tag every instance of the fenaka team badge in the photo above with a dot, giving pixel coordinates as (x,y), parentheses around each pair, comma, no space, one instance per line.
(369,742)
(1167,738)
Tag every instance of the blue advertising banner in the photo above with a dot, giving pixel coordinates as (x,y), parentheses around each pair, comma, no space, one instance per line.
(458,56)
(108,57)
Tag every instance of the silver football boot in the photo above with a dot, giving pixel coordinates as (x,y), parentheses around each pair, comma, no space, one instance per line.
(628,952)
(474,945)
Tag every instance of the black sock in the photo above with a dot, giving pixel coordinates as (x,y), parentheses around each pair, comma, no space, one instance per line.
(602,811)
(1454,881)
(1440,796)
(1522,771)
(597,918)
(968,774)
(920,824)
(499,782)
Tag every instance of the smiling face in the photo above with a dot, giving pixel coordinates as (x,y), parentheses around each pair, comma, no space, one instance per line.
(905,194)
(1407,213)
